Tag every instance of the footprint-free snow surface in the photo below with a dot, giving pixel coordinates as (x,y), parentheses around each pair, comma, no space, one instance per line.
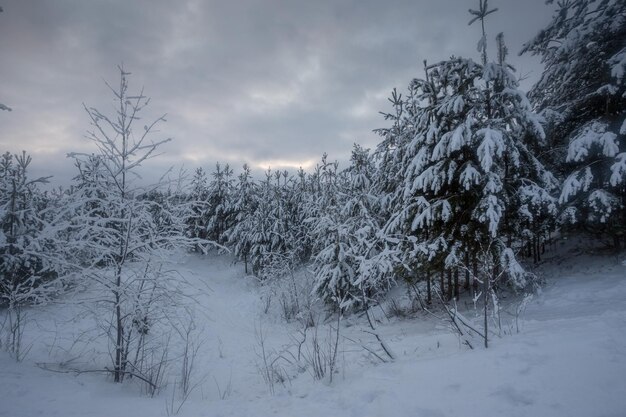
(568,358)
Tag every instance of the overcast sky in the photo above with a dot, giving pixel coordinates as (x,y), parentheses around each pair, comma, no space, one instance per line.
(268,82)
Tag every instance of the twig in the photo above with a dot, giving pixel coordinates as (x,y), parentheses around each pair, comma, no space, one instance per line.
(366,348)
(453,320)
(44,366)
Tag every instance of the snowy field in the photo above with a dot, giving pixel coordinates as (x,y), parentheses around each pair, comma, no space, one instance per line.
(568,358)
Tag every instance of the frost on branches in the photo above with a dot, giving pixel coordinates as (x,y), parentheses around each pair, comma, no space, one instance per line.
(29,269)
(124,232)
(244,204)
(463,138)
(32,252)
(349,268)
(582,95)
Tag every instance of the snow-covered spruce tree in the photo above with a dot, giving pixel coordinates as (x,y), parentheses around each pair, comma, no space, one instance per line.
(125,235)
(169,209)
(349,270)
(244,204)
(21,268)
(364,216)
(198,200)
(299,202)
(389,153)
(303,206)
(466,165)
(582,95)
(282,248)
(333,262)
(391,156)
(218,217)
(31,259)
(260,238)
(325,185)
(276,249)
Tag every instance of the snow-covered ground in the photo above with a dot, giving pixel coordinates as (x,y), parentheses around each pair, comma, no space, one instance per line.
(568,359)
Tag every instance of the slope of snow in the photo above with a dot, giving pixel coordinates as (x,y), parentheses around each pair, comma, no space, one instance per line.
(569,358)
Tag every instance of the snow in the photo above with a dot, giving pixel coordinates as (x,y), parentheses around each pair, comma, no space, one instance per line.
(617,64)
(602,205)
(492,145)
(594,133)
(469,176)
(579,180)
(568,359)
(618,169)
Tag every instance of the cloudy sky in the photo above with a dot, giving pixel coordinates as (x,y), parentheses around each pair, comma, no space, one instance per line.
(268,82)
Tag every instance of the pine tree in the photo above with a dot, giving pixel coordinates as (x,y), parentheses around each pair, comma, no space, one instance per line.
(244,205)
(301,203)
(352,267)
(334,263)
(582,95)
(198,200)
(25,268)
(282,253)
(464,137)
(260,238)
(31,255)
(218,217)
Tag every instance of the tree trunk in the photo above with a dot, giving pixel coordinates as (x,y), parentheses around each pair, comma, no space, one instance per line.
(442,283)
(467,284)
(475,273)
(537,249)
(119,340)
(486,306)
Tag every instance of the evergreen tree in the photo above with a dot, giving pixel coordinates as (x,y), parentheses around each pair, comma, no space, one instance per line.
(198,200)
(244,205)
(349,268)
(31,255)
(582,95)
(282,253)
(218,217)
(333,262)
(260,238)
(465,133)
(301,204)
(28,268)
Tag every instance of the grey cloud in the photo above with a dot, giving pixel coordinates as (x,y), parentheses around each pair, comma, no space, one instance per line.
(251,80)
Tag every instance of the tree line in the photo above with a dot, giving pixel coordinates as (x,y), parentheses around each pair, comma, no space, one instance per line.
(471,179)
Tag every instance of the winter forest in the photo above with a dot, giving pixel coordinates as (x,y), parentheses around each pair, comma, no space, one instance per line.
(472,263)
